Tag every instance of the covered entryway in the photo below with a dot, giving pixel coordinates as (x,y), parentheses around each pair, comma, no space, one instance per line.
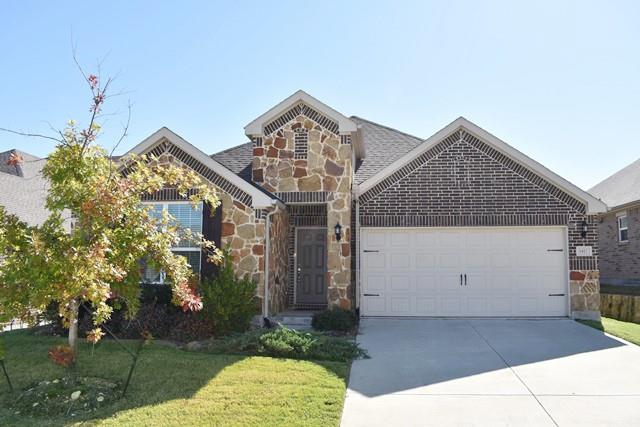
(479,271)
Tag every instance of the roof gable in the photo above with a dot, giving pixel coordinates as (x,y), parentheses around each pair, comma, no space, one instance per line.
(404,163)
(206,166)
(301,103)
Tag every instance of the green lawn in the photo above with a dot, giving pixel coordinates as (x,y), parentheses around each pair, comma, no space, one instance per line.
(625,330)
(173,387)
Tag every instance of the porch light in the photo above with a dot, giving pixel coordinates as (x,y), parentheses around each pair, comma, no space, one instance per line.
(584,228)
(338,230)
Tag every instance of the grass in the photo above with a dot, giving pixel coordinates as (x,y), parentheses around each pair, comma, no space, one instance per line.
(626,330)
(174,387)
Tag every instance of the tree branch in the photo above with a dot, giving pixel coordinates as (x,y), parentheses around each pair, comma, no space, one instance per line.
(33,135)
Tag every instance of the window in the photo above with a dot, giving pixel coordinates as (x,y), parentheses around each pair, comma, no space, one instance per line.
(187,217)
(623,228)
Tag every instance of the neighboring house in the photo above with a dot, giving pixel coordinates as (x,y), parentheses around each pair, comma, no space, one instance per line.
(23,190)
(619,228)
(326,210)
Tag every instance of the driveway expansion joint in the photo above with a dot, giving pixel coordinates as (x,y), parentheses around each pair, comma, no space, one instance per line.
(513,371)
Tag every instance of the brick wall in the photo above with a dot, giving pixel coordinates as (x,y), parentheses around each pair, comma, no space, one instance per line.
(620,261)
(464,182)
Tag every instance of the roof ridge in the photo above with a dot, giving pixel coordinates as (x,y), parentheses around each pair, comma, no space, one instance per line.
(18,151)
(387,127)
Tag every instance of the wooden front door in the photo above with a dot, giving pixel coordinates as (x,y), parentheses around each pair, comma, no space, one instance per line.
(311,266)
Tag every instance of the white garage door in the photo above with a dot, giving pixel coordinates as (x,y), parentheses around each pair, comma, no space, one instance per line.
(463,272)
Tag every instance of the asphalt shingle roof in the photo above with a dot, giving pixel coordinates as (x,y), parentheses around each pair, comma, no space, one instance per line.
(237,159)
(383,146)
(23,188)
(620,188)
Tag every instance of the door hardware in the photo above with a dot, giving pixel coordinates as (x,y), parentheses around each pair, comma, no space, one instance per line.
(461,280)
(366,251)
(556,295)
(371,295)
(555,250)
(465,279)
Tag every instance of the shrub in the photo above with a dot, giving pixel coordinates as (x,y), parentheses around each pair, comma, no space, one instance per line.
(228,301)
(289,343)
(156,316)
(334,319)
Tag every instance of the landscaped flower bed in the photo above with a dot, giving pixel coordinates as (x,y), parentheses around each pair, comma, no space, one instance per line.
(67,396)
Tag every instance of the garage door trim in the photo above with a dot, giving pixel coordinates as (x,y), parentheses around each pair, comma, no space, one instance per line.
(363,264)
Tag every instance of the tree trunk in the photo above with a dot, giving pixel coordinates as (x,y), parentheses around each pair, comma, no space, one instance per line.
(73,327)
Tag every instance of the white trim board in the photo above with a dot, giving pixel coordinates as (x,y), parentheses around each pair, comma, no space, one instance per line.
(594,206)
(345,124)
(260,199)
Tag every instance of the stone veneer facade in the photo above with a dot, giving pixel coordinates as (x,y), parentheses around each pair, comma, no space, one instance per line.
(303,161)
(243,233)
(464,182)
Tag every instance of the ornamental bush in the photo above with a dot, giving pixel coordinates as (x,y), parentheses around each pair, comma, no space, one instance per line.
(288,343)
(228,301)
(156,316)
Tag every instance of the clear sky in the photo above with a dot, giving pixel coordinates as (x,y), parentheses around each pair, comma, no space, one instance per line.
(558,80)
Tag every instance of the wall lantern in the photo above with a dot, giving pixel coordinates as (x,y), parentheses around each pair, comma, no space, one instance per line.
(583,229)
(338,230)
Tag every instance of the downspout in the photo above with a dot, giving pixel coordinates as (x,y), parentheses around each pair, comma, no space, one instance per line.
(357,250)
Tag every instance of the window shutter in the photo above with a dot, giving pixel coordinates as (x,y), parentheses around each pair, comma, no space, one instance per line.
(211,230)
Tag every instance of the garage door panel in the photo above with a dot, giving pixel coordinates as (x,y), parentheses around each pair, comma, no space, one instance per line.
(426,239)
(449,283)
(375,239)
(528,306)
(527,284)
(477,306)
(375,306)
(476,260)
(501,284)
(427,284)
(375,261)
(450,260)
(553,304)
(401,306)
(510,272)
(500,260)
(426,306)
(400,260)
(400,239)
(400,283)
(451,306)
(425,260)
(476,283)
(375,283)
(501,305)
(549,283)
(477,241)
(450,239)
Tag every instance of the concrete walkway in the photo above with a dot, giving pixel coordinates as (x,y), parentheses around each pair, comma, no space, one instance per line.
(457,372)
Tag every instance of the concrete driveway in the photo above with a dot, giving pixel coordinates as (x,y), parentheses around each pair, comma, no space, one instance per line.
(443,372)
